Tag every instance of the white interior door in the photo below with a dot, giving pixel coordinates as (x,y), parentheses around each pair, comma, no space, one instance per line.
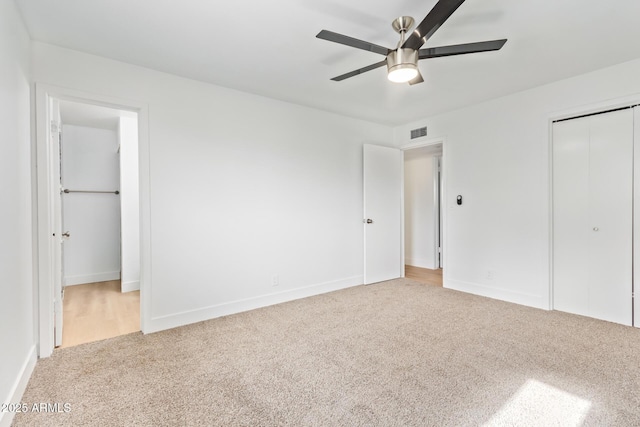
(437,191)
(56,217)
(636,213)
(611,189)
(382,213)
(592,216)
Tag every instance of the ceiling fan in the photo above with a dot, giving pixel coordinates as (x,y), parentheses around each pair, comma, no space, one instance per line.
(402,62)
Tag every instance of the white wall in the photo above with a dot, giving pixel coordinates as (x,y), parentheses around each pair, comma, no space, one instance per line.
(497,158)
(90,161)
(17,339)
(242,188)
(129,203)
(419,208)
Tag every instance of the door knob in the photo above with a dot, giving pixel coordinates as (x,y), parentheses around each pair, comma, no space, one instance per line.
(368,221)
(66,234)
(596,229)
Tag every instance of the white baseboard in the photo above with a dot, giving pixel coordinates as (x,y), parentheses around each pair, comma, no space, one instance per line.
(91,278)
(19,386)
(180,319)
(530,300)
(130,286)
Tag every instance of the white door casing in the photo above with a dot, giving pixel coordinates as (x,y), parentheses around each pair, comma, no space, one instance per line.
(383,179)
(592,216)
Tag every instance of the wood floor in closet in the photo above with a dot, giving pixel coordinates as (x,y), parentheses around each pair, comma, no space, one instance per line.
(424,275)
(97,311)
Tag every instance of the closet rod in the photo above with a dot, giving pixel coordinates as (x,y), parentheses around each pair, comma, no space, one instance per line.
(66,190)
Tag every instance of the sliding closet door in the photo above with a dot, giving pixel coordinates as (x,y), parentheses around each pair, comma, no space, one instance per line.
(611,210)
(636,214)
(593,211)
(570,215)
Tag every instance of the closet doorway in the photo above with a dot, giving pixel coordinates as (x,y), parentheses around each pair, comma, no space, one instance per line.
(593,214)
(423,225)
(99,205)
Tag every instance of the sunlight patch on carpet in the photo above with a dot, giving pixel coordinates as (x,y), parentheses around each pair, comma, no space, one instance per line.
(539,404)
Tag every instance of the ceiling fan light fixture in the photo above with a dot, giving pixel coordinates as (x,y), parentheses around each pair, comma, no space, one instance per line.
(402,62)
(402,65)
(403,73)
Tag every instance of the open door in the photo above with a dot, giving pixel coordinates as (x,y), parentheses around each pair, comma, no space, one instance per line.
(636,219)
(439,203)
(382,213)
(56,218)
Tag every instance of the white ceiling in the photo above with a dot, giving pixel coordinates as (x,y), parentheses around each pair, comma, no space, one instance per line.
(269,47)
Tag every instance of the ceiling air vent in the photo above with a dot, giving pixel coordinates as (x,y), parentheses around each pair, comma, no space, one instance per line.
(418,133)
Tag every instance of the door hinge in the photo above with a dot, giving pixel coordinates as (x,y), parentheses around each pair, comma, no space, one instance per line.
(55,127)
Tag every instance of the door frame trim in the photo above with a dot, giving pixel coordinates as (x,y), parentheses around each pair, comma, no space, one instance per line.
(44,210)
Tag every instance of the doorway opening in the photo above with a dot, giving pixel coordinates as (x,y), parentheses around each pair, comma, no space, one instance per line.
(71,129)
(423,213)
(100,249)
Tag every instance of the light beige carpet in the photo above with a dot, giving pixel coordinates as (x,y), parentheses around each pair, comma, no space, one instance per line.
(396,353)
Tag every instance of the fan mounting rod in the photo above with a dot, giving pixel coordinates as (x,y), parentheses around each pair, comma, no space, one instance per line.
(402,24)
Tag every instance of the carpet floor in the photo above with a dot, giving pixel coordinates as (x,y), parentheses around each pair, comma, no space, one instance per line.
(397,353)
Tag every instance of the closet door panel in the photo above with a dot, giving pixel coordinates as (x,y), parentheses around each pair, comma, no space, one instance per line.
(570,204)
(610,216)
(636,213)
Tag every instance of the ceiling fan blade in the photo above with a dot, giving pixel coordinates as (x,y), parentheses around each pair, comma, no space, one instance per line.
(360,71)
(350,41)
(417,79)
(434,19)
(461,49)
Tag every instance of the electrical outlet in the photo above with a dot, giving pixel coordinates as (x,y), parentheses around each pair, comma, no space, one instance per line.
(275,280)
(491,274)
